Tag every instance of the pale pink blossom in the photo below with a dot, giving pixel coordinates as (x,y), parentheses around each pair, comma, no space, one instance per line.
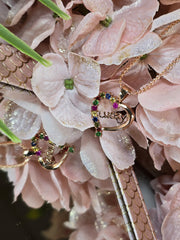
(71,107)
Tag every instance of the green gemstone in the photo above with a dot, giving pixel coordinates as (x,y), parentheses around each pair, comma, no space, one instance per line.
(143,57)
(98,134)
(69,84)
(71,149)
(96,124)
(41,135)
(96,102)
(106,22)
(102,95)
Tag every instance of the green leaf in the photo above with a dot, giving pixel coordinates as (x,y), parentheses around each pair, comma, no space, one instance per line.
(51,5)
(21,46)
(6,131)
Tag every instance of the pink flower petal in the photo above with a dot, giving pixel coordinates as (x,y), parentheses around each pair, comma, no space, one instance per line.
(15,11)
(169,2)
(93,157)
(148,43)
(157,155)
(88,23)
(48,82)
(86,73)
(104,41)
(62,186)
(134,131)
(73,167)
(165,19)
(143,13)
(157,134)
(73,110)
(162,56)
(103,6)
(168,99)
(80,196)
(22,122)
(21,182)
(171,226)
(172,156)
(57,132)
(31,196)
(41,180)
(118,148)
(41,22)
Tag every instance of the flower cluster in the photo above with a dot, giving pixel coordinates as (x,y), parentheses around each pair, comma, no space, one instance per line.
(89,53)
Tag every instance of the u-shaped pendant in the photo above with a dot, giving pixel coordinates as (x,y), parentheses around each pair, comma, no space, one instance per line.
(122,113)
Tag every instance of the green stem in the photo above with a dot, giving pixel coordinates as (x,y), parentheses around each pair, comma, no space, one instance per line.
(6,131)
(51,5)
(21,45)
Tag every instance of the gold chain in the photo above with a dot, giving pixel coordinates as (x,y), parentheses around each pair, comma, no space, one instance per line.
(154,80)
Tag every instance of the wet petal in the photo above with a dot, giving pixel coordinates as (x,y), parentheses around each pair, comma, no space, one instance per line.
(92,156)
(147,44)
(73,110)
(86,73)
(48,82)
(118,148)
(168,99)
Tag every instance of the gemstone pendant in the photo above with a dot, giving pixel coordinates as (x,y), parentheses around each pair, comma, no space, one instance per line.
(122,113)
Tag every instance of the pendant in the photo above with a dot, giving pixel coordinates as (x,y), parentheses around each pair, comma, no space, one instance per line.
(122,113)
(46,159)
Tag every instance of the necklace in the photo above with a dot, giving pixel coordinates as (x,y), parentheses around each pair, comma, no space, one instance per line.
(122,113)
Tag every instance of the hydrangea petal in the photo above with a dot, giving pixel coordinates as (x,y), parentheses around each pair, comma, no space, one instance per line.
(171,226)
(57,132)
(86,73)
(118,148)
(147,44)
(93,157)
(48,82)
(31,196)
(73,110)
(164,55)
(168,99)
(104,41)
(42,182)
(156,153)
(40,21)
(102,6)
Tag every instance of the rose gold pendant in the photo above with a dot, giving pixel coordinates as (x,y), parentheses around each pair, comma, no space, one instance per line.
(122,113)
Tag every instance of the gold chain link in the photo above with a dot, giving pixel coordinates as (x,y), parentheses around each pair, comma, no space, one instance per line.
(154,80)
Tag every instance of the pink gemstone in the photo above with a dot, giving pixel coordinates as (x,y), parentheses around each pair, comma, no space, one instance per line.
(94,108)
(115,105)
(38,153)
